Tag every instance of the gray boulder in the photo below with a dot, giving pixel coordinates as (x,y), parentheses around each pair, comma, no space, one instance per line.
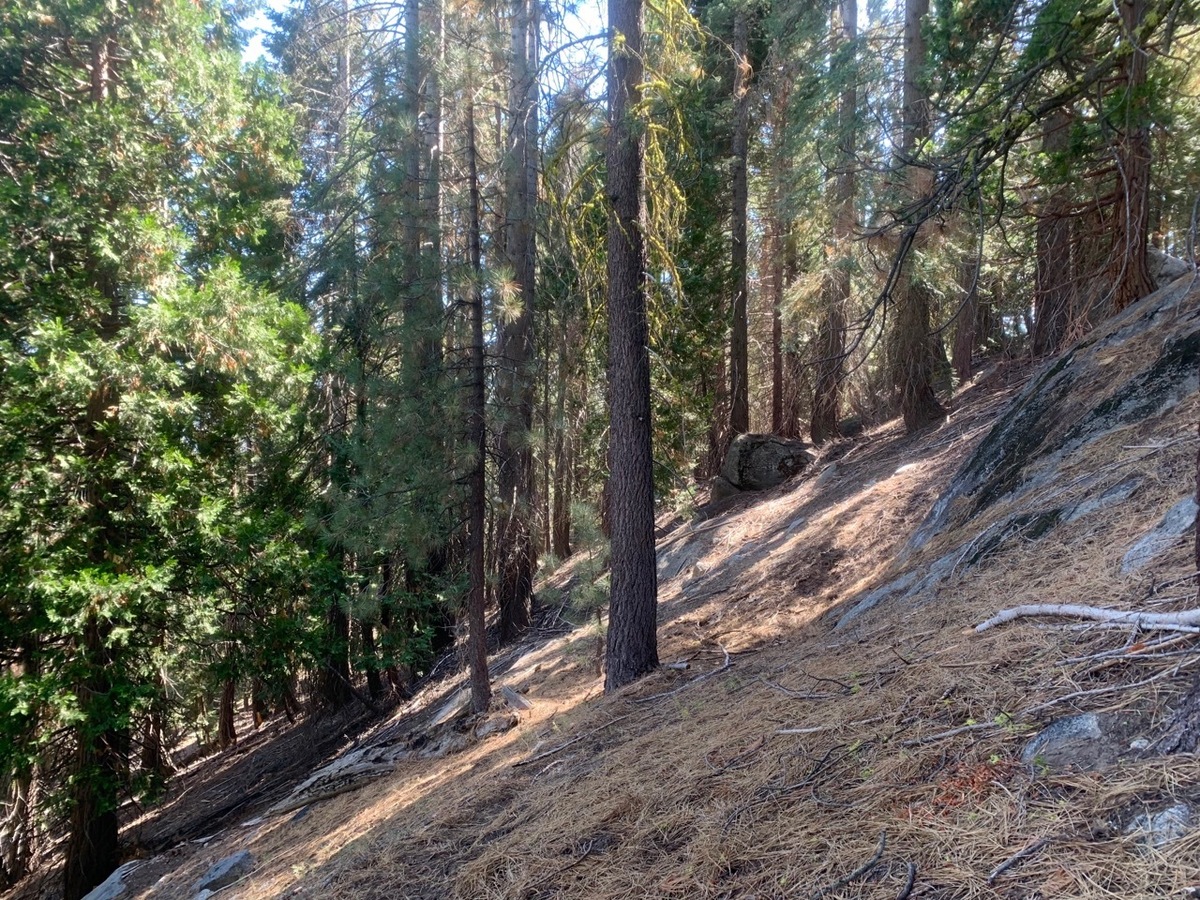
(1165,268)
(114,885)
(1161,828)
(226,872)
(1066,741)
(721,489)
(1088,742)
(759,461)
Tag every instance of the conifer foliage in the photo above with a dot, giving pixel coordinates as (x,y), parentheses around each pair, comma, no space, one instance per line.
(150,383)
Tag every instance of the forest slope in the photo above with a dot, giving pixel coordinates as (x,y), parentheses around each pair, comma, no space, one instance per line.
(834,690)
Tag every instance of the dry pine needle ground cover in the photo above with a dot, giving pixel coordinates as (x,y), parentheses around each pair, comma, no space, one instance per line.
(806,753)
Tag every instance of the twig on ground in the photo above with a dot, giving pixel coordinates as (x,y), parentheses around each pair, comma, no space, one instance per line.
(1151,621)
(1077,695)
(941,735)
(1190,578)
(1024,853)
(725,665)
(799,695)
(970,545)
(1139,657)
(740,761)
(547,768)
(767,793)
(1153,599)
(566,744)
(908,882)
(1131,650)
(1163,446)
(819,728)
(691,532)
(813,730)
(857,873)
(826,679)
(1094,626)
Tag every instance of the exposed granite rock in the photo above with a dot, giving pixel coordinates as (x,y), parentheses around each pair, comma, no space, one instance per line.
(226,872)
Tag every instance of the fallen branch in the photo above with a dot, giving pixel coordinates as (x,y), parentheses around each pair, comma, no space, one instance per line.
(1150,621)
(815,729)
(514,699)
(857,873)
(1183,579)
(1133,650)
(688,684)
(336,783)
(1108,689)
(799,695)
(574,740)
(1024,853)
(962,729)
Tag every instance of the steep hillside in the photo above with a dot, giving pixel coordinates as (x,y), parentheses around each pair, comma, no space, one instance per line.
(832,726)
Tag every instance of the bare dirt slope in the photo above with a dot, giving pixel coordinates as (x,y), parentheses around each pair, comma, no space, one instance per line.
(840,730)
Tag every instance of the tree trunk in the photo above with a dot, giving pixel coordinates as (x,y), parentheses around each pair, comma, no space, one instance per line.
(739,356)
(914,360)
(226,733)
(1053,286)
(777,237)
(718,430)
(410,110)
(775,283)
(100,766)
(481,690)
(518,552)
(259,702)
(99,769)
(632,643)
(831,338)
(1129,270)
(967,322)
(431,199)
(155,762)
(560,517)
(371,661)
(564,484)
(17,783)
(793,365)
(16,826)
(334,680)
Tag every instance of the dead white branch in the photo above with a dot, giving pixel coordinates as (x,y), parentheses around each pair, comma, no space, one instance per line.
(1187,619)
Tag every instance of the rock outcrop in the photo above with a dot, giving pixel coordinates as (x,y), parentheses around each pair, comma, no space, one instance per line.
(1136,366)
(226,872)
(1132,369)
